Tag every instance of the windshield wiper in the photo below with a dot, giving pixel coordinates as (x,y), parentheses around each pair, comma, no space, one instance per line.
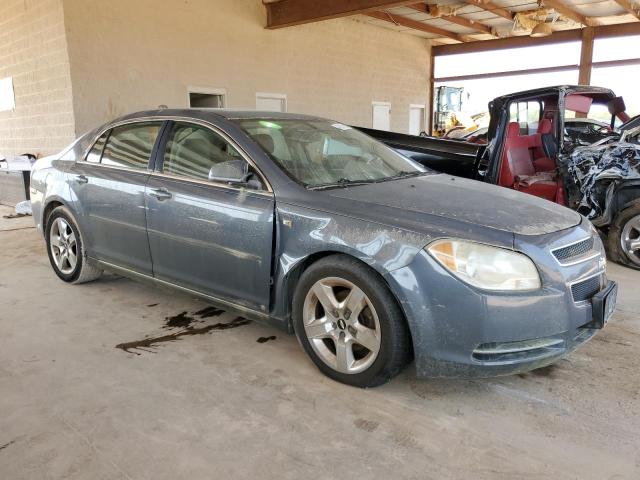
(400,175)
(343,182)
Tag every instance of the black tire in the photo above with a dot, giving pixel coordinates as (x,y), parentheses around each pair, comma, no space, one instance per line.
(614,237)
(395,349)
(84,270)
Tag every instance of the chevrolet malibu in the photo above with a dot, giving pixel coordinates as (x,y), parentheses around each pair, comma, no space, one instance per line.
(370,259)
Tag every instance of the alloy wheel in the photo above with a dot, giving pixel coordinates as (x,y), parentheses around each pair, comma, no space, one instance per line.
(341,325)
(630,239)
(64,247)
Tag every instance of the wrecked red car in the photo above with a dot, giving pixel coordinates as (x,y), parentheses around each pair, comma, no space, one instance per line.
(530,149)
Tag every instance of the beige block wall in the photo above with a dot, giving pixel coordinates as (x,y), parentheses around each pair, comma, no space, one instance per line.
(129,55)
(33,51)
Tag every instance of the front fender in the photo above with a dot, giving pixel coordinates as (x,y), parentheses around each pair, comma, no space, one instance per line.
(303,233)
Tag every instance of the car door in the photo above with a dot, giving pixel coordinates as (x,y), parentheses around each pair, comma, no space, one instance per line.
(109,190)
(211,237)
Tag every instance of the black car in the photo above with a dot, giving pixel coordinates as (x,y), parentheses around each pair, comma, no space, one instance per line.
(587,130)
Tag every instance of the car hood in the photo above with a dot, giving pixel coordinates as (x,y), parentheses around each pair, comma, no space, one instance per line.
(414,200)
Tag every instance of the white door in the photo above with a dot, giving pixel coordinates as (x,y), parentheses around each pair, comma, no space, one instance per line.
(271,102)
(416,119)
(381,116)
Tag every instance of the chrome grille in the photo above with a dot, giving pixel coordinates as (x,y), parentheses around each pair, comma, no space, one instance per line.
(585,289)
(569,252)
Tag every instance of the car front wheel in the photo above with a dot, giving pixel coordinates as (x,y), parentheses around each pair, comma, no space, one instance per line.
(623,240)
(349,323)
(66,249)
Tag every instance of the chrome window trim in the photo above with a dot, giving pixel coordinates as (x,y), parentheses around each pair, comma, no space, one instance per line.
(176,118)
(580,259)
(207,183)
(116,167)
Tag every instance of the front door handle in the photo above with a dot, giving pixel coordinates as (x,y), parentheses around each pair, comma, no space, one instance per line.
(82,179)
(160,193)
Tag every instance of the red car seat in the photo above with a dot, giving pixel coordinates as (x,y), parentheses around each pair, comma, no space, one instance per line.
(546,147)
(518,171)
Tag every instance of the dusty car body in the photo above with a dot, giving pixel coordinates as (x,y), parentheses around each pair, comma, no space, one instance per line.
(530,148)
(607,180)
(275,248)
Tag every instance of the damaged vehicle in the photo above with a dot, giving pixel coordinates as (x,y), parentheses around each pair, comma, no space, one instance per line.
(538,143)
(607,180)
(368,257)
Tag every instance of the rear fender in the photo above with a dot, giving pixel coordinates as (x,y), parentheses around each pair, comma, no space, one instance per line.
(48,185)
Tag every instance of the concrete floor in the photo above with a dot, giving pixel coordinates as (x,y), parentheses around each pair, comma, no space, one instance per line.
(223,405)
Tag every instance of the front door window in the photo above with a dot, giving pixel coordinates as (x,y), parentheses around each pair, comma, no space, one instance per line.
(192,150)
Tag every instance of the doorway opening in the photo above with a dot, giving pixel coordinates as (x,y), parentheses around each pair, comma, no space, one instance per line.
(202,97)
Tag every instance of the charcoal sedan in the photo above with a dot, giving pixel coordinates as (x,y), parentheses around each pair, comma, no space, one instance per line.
(369,258)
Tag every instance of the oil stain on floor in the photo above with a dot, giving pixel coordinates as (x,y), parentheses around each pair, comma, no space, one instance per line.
(2,447)
(182,320)
(266,339)
(209,312)
(184,325)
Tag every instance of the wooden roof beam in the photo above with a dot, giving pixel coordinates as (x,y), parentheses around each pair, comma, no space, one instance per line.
(632,8)
(409,23)
(463,22)
(602,31)
(569,12)
(491,7)
(286,13)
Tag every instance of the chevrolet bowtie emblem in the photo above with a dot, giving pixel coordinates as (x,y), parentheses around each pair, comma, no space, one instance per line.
(602,263)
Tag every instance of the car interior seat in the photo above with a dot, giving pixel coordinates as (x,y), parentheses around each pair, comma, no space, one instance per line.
(547,139)
(266,142)
(194,153)
(518,170)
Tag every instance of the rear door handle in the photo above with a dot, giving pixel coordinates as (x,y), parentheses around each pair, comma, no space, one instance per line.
(160,193)
(82,179)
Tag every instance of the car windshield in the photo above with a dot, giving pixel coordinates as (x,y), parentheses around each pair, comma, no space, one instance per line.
(322,154)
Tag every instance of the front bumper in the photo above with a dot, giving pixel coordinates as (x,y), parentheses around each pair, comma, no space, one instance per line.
(460,331)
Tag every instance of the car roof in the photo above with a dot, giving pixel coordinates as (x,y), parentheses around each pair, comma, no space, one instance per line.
(567,89)
(215,114)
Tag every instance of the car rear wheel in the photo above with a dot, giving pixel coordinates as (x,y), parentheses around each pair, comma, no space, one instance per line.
(66,249)
(623,240)
(349,323)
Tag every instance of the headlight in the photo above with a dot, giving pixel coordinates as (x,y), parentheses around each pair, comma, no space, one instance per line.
(486,267)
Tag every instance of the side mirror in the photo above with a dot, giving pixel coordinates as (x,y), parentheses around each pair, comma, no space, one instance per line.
(232,171)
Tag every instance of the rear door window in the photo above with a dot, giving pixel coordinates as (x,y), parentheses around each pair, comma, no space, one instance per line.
(95,154)
(131,145)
